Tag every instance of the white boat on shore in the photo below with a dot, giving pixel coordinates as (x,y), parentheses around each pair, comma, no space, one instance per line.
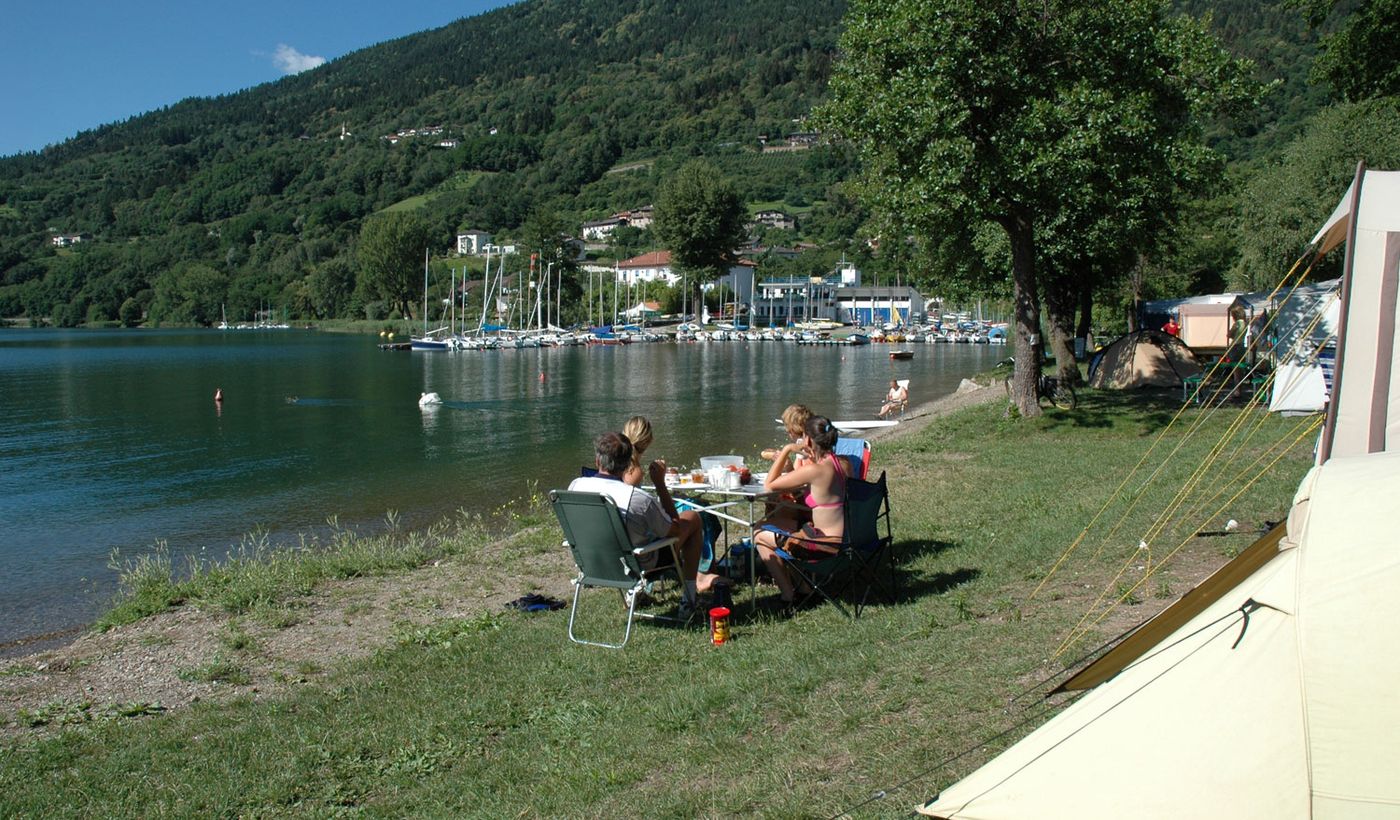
(863,425)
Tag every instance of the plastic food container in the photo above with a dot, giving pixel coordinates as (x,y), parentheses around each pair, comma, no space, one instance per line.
(708,463)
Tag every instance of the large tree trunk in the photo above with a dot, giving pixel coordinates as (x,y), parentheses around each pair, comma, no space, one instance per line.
(1086,317)
(1060,298)
(1027,332)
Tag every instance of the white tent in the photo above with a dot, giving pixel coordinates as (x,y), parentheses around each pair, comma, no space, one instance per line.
(1299,387)
(1303,329)
(1366,413)
(1269,691)
(1278,700)
(1306,318)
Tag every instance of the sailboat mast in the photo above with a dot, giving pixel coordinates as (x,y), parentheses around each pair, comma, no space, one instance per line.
(485,292)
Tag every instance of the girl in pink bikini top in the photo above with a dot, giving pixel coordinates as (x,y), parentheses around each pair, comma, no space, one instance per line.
(839,488)
(820,481)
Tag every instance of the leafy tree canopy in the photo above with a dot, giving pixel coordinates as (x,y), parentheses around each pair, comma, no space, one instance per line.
(700,218)
(1360,59)
(1284,203)
(1063,121)
(389,251)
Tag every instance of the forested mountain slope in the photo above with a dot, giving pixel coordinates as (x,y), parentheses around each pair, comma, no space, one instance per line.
(257,195)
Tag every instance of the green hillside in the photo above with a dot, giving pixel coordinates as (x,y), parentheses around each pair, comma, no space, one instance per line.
(259,195)
(542,98)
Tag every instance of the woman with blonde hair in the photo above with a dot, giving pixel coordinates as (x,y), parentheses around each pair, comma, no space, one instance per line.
(638,429)
(794,420)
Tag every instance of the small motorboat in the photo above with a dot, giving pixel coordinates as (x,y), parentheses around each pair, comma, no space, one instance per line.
(901,354)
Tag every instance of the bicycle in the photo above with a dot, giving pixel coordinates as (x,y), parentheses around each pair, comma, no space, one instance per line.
(1060,394)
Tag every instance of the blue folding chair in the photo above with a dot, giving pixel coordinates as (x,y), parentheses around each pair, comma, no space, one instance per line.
(856,451)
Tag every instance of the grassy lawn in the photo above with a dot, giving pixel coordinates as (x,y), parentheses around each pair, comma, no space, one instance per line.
(500,715)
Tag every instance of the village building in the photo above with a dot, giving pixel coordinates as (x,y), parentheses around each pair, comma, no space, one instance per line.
(640,218)
(649,267)
(774,219)
(836,297)
(657,266)
(472,243)
(65,240)
(600,230)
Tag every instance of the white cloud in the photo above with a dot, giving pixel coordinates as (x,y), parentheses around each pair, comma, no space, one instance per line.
(290,61)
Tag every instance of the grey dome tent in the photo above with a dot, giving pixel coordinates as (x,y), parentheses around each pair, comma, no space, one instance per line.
(1144,358)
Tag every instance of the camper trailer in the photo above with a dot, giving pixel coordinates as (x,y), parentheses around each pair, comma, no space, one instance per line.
(1205,327)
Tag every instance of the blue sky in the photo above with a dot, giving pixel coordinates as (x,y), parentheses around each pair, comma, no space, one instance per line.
(71,66)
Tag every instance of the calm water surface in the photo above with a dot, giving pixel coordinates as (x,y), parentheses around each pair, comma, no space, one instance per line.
(111,439)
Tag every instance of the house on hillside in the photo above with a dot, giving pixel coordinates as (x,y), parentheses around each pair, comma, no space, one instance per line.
(472,243)
(640,218)
(65,240)
(600,230)
(775,219)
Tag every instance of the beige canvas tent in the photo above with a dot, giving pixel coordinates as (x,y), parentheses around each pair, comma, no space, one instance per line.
(1145,358)
(1270,691)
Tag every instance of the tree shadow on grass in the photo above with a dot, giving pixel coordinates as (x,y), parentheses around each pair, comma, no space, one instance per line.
(915,585)
(912,582)
(1151,409)
(909,549)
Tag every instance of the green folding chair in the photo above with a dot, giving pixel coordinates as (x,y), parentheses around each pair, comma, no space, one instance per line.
(596,536)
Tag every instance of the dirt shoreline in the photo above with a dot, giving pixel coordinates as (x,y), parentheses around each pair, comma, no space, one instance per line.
(171,660)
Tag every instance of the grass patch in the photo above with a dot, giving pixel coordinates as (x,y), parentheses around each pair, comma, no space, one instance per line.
(218,670)
(235,639)
(74,713)
(500,715)
(260,577)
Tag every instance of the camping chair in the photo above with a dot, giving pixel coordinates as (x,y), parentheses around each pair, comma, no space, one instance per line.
(856,451)
(604,555)
(857,560)
(903,405)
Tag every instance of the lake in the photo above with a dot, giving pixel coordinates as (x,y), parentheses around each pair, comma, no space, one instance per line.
(111,440)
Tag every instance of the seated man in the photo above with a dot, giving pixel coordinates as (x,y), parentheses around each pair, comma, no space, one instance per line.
(645,516)
(895,399)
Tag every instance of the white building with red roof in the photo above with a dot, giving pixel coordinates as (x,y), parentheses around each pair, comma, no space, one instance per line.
(657,265)
(649,267)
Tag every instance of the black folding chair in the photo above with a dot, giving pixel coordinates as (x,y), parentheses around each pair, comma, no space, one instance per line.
(857,560)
